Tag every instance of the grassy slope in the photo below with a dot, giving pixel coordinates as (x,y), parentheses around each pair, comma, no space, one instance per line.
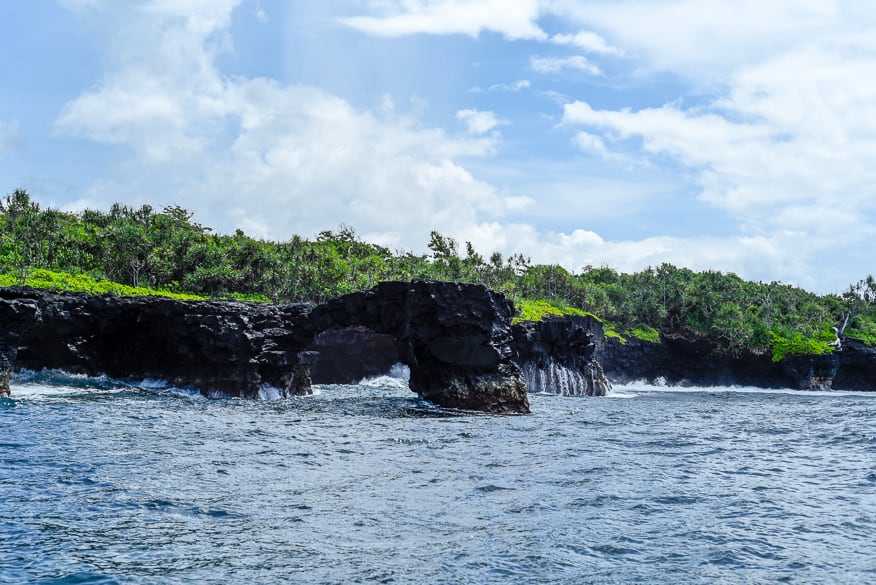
(66,282)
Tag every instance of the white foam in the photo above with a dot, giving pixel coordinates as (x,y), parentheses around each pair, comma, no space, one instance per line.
(398,377)
(383,382)
(153,384)
(641,387)
(400,371)
(268,392)
(615,394)
(36,391)
(163,387)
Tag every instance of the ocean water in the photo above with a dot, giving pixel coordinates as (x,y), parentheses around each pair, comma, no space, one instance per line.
(103,482)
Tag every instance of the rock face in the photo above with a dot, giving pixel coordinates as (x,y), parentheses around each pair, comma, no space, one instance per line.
(217,347)
(692,360)
(5,375)
(15,317)
(558,356)
(856,367)
(454,337)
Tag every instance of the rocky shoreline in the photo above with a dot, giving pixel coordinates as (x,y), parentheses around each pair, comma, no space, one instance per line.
(693,360)
(457,339)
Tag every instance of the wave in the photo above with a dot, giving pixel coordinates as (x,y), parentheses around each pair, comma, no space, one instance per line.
(642,387)
(30,384)
(398,377)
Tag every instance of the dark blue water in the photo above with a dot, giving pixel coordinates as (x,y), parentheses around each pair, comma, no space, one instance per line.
(101,483)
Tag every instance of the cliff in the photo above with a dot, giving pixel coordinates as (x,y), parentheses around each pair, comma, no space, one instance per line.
(454,337)
(457,340)
(687,359)
(218,347)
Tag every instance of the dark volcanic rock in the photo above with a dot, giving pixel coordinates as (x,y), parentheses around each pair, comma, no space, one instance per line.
(454,337)
(558,355)
(5,375)
(692,360)
(856,368)
(457,340)
(225,347)
(676,360)
(15,316)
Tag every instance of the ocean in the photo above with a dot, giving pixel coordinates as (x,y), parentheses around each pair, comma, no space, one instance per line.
(104,482)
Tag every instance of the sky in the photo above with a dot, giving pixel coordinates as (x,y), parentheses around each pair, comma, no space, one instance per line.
(732,135)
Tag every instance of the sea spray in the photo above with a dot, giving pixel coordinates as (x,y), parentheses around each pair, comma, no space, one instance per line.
(398,377)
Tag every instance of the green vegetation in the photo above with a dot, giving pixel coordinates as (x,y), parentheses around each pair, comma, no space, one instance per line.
(531,310)
(797,344)
(64,281)
(67,282)
(140,251)
(645,333)
(612,334)
(865,331)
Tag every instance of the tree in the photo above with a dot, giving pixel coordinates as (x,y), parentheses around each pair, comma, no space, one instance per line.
(445,256)
(26,233)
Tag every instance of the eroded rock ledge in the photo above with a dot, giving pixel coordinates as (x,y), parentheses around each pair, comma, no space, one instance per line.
(218,347)
(455,338)
(687,359)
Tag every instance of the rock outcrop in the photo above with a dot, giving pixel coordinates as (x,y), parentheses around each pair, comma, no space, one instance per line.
(558,356)
(218,347)
(15,316)
(454,337)
(689,359)
(856,366)
(5,375)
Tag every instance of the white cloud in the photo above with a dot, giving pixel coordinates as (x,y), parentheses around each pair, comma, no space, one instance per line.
(161,95)
(788,149)
(588,41)
(557,64)
(515,19)
(710,39)
(590,143)
(518,85)
(478,122)
(754,256)
(785,147)
(271,158)
(304,158)
(783,144)
(138,110)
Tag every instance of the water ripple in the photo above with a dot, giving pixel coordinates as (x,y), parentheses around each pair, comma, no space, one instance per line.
(106,482)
